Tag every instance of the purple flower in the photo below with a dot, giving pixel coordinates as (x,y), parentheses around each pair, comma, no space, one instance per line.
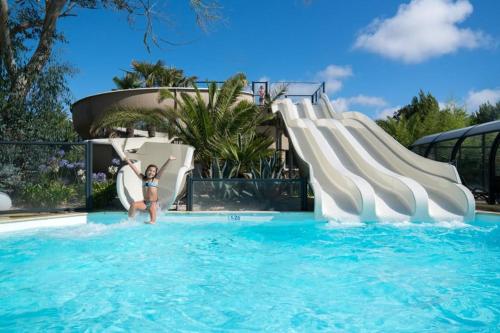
(80,165)
(63,163)
(99,177)
(115,161)
(70,166)
(61,153)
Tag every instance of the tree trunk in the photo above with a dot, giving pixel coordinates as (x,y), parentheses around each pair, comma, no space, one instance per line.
(22,77)
(15,104)
(19,90)
(151,131)
(130,132)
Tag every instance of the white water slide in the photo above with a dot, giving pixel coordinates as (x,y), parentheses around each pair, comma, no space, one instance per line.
(360,173)
(145,151)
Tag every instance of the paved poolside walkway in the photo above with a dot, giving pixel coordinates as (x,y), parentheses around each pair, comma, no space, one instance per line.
(23,221)
(483,206)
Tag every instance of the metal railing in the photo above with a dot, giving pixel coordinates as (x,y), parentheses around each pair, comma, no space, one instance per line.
(296,89)
(317,94)
(204,84)
(45,176)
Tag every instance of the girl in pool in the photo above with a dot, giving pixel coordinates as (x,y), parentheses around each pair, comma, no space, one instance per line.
(150,180)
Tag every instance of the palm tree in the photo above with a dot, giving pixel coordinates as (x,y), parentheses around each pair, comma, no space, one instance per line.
(246,151)
(220,128)
(144,75)
(147,75)
(129,81)
(276,93)
(172,77)
(152,119)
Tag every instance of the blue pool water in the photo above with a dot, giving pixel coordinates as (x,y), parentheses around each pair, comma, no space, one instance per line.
(272,273)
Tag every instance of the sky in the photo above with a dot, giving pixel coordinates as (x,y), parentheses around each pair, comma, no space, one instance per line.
(373,55)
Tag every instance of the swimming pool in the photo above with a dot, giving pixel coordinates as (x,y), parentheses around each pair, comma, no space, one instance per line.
(251,272)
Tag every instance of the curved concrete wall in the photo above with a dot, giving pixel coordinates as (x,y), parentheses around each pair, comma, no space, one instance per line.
(89,108)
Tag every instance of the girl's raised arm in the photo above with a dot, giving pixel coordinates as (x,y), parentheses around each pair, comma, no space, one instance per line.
(137,172)
(164,166)
(124,158)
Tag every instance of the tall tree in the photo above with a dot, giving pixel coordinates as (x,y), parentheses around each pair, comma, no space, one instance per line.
(486,113)
(421,105)
(24,23)
(423,117)
(43,115)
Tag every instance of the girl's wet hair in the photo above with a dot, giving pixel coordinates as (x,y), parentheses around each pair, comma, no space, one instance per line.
(145,177)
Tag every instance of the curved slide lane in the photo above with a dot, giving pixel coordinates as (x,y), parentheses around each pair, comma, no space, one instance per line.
(340,195)
(145,151)
(397,196)
(356,168)
(448,198)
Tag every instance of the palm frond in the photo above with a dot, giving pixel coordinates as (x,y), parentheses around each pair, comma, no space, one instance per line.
(129,117)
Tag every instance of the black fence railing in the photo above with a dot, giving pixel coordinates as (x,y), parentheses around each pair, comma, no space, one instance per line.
(294,89)
(299,90)
(204,84)
(45,176)
(237,194)
(317,94)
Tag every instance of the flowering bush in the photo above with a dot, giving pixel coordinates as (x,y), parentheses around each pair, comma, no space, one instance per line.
(104,185)
(43,177)
(99,177)
(64,169)
(59,182)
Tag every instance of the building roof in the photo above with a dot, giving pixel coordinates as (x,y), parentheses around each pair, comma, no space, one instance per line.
(492,126)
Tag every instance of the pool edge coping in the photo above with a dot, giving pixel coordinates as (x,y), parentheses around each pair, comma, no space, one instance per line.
(45,221)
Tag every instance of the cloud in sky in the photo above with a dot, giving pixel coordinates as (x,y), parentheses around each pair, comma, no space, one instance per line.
(476,98)
(342,104)
(387,112)
(421,30)
(367,101)
(333,76)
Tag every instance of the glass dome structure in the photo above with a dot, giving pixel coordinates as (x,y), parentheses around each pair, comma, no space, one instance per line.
(474,152)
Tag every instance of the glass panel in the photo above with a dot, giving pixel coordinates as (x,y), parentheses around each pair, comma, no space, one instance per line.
(247,194)
(426,139)
(497,175)
(492,126)
(472,162)
(420,149)
(488,142)
(39,177)
(441,151)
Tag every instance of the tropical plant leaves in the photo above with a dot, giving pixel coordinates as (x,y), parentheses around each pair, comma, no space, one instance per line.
(221,128)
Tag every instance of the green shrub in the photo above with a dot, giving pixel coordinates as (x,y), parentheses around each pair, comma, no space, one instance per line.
(50,194)
(10,177)
(103,193)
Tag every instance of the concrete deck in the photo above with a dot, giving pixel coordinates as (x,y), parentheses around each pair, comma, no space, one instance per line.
(483,206)
(25,221)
